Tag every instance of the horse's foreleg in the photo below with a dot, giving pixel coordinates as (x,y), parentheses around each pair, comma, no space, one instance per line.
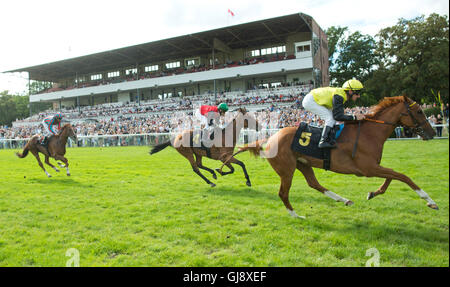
(241,164)
(190,158)
(382,189)
(65,161)
(222,173)
(36,155)
(47,161)
(391,174)
(200,165)
(312,181)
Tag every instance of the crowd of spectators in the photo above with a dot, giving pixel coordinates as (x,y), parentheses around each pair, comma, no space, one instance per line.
(272,110)
(133,76)
(272,117)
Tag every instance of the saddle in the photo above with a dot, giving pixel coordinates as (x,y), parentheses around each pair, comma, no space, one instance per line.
(198,140)
(306,141)
(43,141)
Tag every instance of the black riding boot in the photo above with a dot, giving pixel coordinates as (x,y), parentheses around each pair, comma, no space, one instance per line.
(210,129)
(210,132)
(326,141)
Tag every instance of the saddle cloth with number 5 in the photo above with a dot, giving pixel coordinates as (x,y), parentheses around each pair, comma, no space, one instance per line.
(306,141)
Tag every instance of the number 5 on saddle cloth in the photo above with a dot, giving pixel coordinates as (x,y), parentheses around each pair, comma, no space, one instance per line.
(306,141)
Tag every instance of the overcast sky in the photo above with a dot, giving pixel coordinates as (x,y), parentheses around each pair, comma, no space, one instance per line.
(41,31)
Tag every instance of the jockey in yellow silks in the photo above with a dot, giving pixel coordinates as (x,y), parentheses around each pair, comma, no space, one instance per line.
(328,104)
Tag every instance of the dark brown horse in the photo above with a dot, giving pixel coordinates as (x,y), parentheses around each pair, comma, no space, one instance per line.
(56,148)
(362,161)
(221,147)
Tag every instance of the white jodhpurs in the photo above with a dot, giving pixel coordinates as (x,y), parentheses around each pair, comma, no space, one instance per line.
(201,118)
(322,112)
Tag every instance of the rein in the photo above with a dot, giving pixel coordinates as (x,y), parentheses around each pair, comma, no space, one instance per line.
(408,109)
(380,122)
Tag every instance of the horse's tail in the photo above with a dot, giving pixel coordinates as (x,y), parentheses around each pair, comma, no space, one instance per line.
(254,148)
(160,147)
(24,152)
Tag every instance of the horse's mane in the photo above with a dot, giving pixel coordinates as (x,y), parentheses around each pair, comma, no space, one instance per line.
(64,127)
(385,103)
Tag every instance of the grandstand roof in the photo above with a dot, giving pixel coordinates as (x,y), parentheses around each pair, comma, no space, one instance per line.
(253,34)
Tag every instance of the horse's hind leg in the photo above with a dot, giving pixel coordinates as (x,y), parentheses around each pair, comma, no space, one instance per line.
(200,165)
(36,155)
(286,171)
(241,164)
(312,181)
(47,161)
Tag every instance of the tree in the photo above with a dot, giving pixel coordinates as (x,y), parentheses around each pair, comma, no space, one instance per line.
(12,107)
(416,57)
(356,58)
(36,87)
(334,36)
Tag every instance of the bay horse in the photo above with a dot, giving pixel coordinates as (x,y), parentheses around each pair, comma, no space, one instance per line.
(56,148)
(221,147)
(358,155)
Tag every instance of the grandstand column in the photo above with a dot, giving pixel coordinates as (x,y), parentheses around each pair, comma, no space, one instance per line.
(29,93)
(214,65)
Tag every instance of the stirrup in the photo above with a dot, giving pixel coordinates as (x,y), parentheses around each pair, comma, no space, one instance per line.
(324,144)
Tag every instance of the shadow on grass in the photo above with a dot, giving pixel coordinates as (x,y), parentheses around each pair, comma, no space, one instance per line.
(386,233)
(361,229)
(58,181)
(242,192)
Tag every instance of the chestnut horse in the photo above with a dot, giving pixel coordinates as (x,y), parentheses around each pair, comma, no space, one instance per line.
(221,147)
(358,155)
(56,148)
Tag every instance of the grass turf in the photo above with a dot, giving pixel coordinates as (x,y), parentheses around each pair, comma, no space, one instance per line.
(122,207)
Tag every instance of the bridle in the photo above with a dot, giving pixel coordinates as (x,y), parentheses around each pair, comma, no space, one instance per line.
(417,128)
(418,125)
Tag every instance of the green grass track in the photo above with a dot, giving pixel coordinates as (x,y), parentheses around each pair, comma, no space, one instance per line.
(123,207)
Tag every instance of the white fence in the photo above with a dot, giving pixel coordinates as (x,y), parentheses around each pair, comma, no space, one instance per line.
(155,138)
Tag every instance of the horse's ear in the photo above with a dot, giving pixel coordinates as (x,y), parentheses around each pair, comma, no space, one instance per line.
(405,98)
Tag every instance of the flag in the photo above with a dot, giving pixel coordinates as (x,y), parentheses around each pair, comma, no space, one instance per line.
(231,12)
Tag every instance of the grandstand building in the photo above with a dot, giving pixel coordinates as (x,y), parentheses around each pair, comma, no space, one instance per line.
(286,50)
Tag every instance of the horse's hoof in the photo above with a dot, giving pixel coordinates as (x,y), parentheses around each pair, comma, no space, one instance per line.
(57,170)
(248,183)
(434,206)
(68,174)
(349,202)
(49,175)
(370,195)
(212,184)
